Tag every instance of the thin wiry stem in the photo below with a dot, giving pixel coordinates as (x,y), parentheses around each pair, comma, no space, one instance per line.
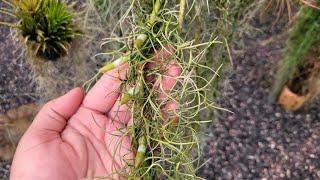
(7,12)
(181,14)
(311,3)
(10,24)
(8,3)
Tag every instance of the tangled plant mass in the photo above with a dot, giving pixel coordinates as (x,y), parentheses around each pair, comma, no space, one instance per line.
(162,31)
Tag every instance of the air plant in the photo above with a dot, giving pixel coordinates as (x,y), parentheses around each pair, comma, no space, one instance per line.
(163,146)
(45,24)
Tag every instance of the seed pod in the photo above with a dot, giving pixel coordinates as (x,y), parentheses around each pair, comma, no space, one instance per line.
(140,41)
(155,12)
(114,64)
(132,92)
(142,148)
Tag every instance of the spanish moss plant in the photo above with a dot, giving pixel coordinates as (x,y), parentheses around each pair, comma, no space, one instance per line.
(45,24)
(164,141)
(303,36)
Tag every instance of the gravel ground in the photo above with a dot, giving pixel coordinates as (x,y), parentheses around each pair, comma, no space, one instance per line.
(260,140)
(16,84)
(4,170)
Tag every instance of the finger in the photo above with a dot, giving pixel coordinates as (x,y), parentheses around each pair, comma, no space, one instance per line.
(160,62)
(169,112)
(54,115)
(168,80)
(169,68)
(164,54)
(106,91)
(167,83)
(120,113)
(118,142)
(117,136)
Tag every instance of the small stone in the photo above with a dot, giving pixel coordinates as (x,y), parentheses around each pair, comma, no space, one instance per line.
(234,132)
(272,145)
(288,173)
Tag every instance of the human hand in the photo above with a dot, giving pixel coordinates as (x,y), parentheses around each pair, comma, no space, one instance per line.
(77,136)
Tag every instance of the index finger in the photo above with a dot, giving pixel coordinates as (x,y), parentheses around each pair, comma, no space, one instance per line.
(170,71)
(106,91)
(166,81)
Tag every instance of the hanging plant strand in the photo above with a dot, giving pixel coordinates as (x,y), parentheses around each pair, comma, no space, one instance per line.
(163,141)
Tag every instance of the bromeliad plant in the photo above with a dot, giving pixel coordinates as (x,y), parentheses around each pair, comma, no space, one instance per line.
(46,25)
(296,68)
(163,144)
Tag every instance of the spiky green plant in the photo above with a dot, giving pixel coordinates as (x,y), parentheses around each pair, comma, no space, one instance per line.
(164,146)
(46,24)
(303,35)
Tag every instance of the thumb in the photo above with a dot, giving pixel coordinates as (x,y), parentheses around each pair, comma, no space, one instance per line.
(55,114)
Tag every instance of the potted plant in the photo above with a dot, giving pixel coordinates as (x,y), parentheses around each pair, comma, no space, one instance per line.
(297,80)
